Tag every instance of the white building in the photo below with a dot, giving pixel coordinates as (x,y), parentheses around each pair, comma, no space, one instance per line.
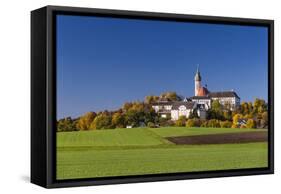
(163,107)
(229,99)
(182,109)
(200,102)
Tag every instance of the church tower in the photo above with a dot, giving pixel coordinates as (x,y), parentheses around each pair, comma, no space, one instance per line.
(197,80)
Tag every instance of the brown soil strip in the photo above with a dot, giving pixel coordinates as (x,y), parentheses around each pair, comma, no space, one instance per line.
(242,137)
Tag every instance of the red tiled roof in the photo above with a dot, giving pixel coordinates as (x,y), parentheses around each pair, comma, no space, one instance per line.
(203,91)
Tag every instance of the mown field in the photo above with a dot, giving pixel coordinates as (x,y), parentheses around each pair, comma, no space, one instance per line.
(141,151)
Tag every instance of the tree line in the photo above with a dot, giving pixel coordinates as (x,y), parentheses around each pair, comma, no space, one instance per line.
(247,115)
(141,113)
(132,114)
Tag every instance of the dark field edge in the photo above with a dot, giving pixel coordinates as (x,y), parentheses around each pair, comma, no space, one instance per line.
(221,138)
(216,133)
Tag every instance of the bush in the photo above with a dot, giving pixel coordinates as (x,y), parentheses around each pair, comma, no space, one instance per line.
(193,123)
(213,123)
(181,121)
(190,123)
(225,124)
(251,124)
(164,122)
(204,124)
(151,125)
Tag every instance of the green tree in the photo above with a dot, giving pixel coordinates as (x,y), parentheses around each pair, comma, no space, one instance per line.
(85,121)
(193,114)
(66,124)
(227,115)
(215,112)
(216,106)
(132,118)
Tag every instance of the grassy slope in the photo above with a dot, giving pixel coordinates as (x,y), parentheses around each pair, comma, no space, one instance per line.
(143,151)
(112,137)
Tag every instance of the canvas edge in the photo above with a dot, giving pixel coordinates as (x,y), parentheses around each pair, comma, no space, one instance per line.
(51,182)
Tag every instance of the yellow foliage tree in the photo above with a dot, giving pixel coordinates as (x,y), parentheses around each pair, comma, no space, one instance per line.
(85,121)
(251,124)
(235,120)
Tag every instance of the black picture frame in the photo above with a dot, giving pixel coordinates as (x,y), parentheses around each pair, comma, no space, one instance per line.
(43,95)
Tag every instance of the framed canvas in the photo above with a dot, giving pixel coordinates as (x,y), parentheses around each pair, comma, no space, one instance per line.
(125,96)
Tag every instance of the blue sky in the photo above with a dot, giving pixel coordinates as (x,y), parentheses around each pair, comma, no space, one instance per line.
(104,62)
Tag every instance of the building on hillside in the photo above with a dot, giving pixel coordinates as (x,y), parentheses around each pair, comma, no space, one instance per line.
(201,102)
(163,107)
(182,109)
(226,98)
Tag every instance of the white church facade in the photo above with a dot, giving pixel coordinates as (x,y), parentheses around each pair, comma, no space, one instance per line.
(200,102)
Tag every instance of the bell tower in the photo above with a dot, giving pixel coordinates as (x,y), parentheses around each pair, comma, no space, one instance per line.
(197,81)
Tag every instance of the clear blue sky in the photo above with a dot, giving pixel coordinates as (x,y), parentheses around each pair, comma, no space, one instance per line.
(104,62)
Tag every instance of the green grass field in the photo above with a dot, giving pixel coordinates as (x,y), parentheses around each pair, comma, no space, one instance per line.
(141,151)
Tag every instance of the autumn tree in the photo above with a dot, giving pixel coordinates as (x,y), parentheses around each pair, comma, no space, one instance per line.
(118,120)
(260,106)
(172,96)
(264,120)
(85,121)
(66,124)
(235,120)
(151,99)
(127,106)
(102,121)
(251,123)
(244,108)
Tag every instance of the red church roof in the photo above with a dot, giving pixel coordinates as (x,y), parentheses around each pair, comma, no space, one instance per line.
(203,91)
